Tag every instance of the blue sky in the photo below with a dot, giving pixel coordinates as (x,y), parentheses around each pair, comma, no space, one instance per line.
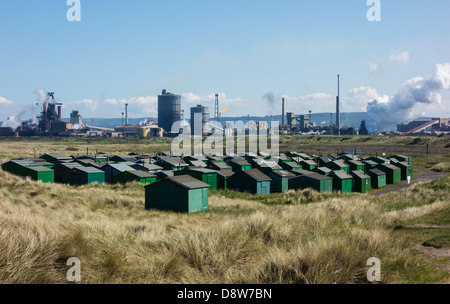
(128,51)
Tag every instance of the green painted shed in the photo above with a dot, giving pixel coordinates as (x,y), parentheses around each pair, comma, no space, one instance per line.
(338,165)
(356,165)
(207,176)
(314,181)
(134,176)
(361,181)
(407,170)
(393,173)
(63,171)
(379,160)
(239,165)
(309,165)
(182,194)
(378,178)
(219,166)
(402,158)
(251,181)
(280,180)
(56,157)
(29,169)
(171,163)
(323,170)
(86,175)
(369,164)
(342,181)
(222,178)
(292,166)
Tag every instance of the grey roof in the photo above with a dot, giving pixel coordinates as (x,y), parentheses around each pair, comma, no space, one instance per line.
(283,173)
(221,165)
(359,174)
(256,175)
(355,162)
(188,182)
(315,176)
(88,169)
(293,165)
(240,162)
(302,172)
(40,169)
(121,167)
(341,174)
(325,159)
(197,163)
(151,167)
(57,156)
(173,161)
(141,174)
(202,170)
(392,167)
(308,162)
(270,164)
(226,173)
(377,172)
(369,162)
(324,169)
(340,163)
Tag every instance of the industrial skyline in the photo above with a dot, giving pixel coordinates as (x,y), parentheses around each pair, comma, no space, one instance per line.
(289,48)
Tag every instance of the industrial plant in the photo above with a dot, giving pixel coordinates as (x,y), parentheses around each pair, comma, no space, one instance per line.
(171,122)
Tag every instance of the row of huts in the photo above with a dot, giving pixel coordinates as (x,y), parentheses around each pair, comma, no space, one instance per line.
(184,181)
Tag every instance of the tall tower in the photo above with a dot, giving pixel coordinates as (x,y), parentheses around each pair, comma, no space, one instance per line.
(338,119)
(283,119)
(216,111)
(169,110)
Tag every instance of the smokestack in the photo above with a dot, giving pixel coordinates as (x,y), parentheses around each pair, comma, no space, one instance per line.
(126,114)
(338,120)
(59,112)
(283,123)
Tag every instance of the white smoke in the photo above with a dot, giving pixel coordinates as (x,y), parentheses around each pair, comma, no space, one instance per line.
(386,111)
(28,113)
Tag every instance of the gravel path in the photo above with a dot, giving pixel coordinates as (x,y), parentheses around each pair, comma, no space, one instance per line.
(424,176)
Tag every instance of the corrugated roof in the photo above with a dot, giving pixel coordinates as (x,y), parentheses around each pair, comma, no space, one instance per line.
(188,182)
(325,159)
(141,174)
(324,169)
(293,165)
(340,163)
(173,161)
(308,162)
(359,174)
(369,162)
(256,175)
(377,172)
(151,167)
(392,167)
(202,170)
(284,173)
(221,165)
(121,167)
(56,156)
(240,162)
(302,172)
(226,173)
(270,164)
(197,163)
(40,169)
(355,162)
(89,169)
(341,174)
(315,176)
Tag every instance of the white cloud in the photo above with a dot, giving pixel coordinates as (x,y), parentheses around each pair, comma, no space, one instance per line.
(210,98)
(401,57)
(4,101)
(357,99)
(373,67)
(90,104)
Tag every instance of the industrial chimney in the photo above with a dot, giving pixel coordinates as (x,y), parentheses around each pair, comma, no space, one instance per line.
(126,114)
(338,120)
(283,119)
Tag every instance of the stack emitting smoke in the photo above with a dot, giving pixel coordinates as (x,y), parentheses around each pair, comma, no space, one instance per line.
(126,114)
(29,113)
(388,110)
(271,100)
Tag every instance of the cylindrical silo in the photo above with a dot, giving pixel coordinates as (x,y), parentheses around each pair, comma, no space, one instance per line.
(169,110)
(204,112)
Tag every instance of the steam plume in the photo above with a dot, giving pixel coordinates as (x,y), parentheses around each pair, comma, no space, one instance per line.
(386,111)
